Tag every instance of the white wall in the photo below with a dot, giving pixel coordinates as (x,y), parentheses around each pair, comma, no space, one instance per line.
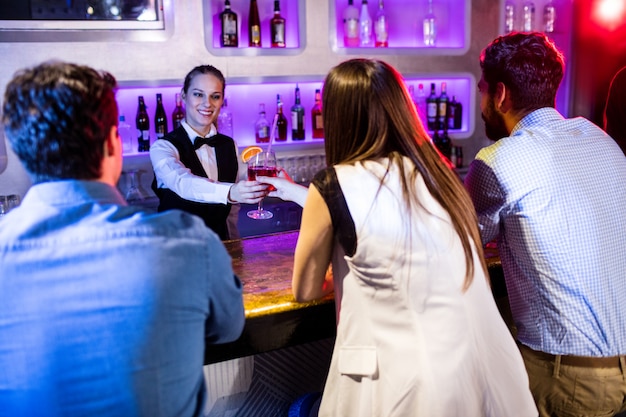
(173,58)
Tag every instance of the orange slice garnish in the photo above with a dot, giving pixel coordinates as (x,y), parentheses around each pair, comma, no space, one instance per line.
(249,152)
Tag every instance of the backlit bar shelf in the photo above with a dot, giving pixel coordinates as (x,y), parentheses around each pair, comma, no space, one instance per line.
(295,27)
(560,32)
(245,94)
(405,22)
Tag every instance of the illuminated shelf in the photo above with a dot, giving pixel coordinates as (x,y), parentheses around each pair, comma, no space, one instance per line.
(405,19)
(295,27)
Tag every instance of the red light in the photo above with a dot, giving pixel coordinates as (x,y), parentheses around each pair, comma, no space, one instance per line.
(609,13)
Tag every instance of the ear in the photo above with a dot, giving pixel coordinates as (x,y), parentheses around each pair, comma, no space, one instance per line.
(113,142)
(502,100)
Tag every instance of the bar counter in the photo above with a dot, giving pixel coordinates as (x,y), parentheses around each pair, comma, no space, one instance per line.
(274,320)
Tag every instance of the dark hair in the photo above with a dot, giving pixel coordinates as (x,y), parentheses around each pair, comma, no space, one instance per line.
(528,64)
(203,69)
(57,116)
(368,114)
(615,110)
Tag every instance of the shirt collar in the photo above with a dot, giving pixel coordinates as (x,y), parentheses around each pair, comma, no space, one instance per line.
(73,192)
(191,133)
(537,117)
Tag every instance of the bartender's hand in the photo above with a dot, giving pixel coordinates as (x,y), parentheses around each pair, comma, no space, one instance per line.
(286,188)
(249,192)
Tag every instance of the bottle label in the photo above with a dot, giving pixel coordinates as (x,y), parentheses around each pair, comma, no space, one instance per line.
(351,28)
(279,34)
(381,30)
(255,32)
(432,110)
(319,122)
(230,26)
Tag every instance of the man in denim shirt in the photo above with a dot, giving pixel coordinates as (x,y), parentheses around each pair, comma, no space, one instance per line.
(105,309)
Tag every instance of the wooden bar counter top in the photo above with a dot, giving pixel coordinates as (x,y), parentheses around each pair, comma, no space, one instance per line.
(274,319)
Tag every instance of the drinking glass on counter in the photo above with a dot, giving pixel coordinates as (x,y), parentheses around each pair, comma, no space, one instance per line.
(264,164)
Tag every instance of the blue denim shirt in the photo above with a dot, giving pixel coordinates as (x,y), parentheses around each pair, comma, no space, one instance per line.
(105,309)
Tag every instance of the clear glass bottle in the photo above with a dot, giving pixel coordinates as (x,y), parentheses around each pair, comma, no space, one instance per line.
(125,131)
(160,118)
(317,121)
(549,17)
(365,25)
(429,26)
(297,117)
(230,34)
(262,126)
(509,16)
(381,27)
(277,27)
(281,121)
(225,120)
(528,12)
(351,26)
(420,102)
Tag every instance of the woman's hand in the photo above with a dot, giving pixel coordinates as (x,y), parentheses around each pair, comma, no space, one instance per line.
(286,189)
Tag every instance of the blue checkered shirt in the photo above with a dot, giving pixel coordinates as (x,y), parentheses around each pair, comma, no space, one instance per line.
(554,195)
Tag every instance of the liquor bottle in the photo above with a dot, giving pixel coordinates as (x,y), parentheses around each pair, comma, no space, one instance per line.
(381,27)
(420,103)
(429,26)
(178,115)
(549,16)
(142,122)
(351,26)
(262,126)
(442,107)
(225,120)
(458,150)
(509,16)
(160,119)
(528,12)
(254,25)
(365,23)
(431,109)
(125,133)
(277,27)
(281,121)
(456,119)
(297,118)
(443,143)
(317,122)
(451,113)
(230,37)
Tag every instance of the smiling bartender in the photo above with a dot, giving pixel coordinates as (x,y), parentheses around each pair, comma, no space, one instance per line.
(195,167)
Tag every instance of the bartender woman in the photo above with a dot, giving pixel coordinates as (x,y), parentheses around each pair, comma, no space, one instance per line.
(195,167)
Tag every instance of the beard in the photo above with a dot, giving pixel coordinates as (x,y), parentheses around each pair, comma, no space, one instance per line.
(495,128)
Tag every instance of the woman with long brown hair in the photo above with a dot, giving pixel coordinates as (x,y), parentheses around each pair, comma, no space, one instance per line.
(419,333)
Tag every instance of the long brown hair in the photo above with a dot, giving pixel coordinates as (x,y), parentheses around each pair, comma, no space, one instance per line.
(368,114)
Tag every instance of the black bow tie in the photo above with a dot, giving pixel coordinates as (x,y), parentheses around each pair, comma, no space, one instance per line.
(199,141)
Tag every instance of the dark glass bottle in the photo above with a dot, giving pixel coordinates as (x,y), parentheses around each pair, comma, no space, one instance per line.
(277,27)
(230,34)
(443,143)
(281,122)
(456,118)
(442,107)
(142,121)
(178,115)
(317,122)
(160,118)
(431,108)
(254,26)
(297,118)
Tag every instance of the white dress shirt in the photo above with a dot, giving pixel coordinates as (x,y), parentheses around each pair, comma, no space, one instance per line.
(171,173)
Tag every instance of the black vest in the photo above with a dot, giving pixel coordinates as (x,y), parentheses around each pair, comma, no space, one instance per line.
(214,215)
